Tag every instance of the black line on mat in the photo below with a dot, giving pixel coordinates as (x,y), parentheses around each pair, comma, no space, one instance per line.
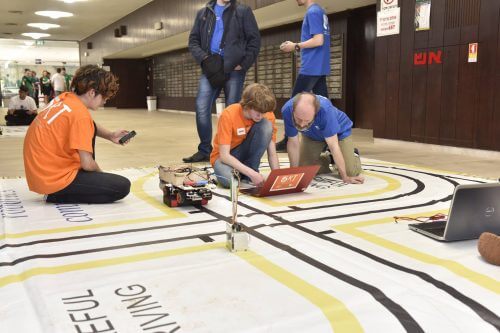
(405,319)
(327,232)
(206,239)
(54,240)
(420,187)
(482,311)
(104,249)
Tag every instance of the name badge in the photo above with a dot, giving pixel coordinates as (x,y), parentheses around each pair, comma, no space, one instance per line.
(240,131)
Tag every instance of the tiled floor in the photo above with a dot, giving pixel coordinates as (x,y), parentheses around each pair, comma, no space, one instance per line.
(166,137)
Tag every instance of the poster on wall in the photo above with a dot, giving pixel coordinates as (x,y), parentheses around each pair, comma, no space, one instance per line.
(422,15)
(388,22)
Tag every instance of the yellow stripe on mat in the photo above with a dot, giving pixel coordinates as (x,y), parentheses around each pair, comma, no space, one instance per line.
(392,185)
(453,266)
(9,279)
(137,190)
(340,318)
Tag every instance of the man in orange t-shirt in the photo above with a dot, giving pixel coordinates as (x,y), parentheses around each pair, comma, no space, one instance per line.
(245,130)
(59,145)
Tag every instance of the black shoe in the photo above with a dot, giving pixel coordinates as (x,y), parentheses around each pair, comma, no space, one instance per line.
(281,146)
(197,157)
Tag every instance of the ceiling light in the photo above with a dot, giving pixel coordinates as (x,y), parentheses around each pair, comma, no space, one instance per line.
(29,42)
(43,26)
(35,35)
(71,1)
(53,14)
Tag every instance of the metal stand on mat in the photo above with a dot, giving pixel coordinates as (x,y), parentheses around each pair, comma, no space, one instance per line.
(236,237)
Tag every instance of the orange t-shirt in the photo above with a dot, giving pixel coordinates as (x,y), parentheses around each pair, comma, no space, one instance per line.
(51,159)
(233,128)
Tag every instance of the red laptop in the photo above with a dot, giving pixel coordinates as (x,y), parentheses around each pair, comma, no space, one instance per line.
(284,181)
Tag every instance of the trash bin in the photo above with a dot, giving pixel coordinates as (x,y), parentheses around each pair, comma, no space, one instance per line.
(219,106)
(151,102)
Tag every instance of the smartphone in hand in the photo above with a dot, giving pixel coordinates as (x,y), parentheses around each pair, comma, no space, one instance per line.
(127,137)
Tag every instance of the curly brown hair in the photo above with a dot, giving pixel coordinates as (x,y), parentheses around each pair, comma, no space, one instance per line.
(92,77)
(258,97)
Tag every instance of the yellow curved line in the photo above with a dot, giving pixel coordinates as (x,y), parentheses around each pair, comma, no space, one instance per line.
(137,190)
(453,266)
(339,316)
(392,185)
(423,168)
(54,270)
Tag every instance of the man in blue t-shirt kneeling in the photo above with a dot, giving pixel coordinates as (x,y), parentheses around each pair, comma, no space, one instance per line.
(320,122)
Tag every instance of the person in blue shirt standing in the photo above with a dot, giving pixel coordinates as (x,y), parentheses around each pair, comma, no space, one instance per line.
(238,50)
(314,49)
(320,122)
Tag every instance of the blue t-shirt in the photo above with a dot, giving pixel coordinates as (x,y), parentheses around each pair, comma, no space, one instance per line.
(316,60)
(328,121)
(218,30)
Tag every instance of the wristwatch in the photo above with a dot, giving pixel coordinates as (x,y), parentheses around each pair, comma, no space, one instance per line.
(297,47)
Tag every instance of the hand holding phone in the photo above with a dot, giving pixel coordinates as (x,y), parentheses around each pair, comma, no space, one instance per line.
(127,137)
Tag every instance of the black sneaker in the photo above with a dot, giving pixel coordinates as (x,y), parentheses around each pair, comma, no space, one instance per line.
(196,157)
(281,146)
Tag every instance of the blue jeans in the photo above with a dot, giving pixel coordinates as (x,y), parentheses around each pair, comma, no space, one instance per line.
(206,98)
(311,83)
(249,152)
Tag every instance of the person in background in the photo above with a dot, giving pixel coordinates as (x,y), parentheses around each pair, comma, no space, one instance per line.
(319,122)
(314,48)
(27,81)
(36,87)
(245,131)
(58,82)
(59,147)
(46,86)
(22,109)
(239,51)
(67,78)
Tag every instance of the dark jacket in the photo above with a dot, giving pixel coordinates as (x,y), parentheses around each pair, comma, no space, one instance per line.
(242,42)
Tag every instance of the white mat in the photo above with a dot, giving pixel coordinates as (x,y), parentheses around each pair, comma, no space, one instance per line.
(329,259)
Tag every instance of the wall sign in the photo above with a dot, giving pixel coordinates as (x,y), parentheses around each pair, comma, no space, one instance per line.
(427,58)
(388,4)
(388,22)
(472,52)
(422,15)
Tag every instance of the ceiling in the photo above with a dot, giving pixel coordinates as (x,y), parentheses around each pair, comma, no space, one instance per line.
(93,15)
(266,18)
(89,17)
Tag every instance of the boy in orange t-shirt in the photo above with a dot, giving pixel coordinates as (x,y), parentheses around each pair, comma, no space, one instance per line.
(59,145)
(245,130)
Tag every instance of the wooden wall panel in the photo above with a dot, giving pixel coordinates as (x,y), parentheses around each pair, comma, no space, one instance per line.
(392,83)
(132,76)
(453,102)
(406,69)
(467,100)
(449,95)
(433,103)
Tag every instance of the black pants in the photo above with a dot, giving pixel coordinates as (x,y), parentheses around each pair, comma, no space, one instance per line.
(19,120)
(92,187)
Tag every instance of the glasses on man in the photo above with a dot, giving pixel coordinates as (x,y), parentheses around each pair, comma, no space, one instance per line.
(301,128)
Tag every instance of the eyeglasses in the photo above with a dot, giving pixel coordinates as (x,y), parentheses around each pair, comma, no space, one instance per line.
(302,128)
(433,218)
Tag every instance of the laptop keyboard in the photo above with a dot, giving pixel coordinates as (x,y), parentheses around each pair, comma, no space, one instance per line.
(436,228)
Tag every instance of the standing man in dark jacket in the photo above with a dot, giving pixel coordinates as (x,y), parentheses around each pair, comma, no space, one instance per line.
(239,51)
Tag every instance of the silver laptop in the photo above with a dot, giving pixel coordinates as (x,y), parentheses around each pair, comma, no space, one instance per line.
(474,209)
